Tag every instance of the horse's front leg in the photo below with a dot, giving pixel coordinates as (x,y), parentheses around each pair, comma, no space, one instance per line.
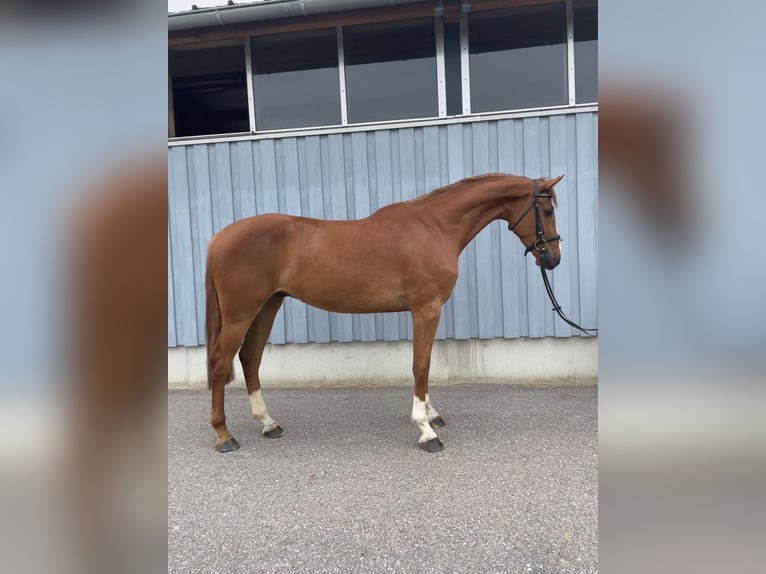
(425,319)
(434,419)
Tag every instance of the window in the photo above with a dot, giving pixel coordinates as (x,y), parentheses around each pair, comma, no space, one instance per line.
(390,71)
(295,80)
(586,50)
(452,69)
(518,58)
(209,91)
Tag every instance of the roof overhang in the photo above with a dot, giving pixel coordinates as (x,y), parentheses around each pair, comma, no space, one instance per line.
(239,13)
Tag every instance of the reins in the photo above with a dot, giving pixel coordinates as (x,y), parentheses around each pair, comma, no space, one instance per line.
(541,244)
(559,312)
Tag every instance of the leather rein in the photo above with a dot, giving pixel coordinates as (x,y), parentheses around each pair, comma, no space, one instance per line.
(540,245)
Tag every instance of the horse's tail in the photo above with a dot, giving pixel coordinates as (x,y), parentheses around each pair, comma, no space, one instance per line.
(212,325)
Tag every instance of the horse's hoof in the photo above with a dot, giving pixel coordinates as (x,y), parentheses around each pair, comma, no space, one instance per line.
(276,432)
(228,445)
(437,423)
(433,445)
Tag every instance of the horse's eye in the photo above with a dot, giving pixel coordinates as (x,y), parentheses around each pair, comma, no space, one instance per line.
(548,212)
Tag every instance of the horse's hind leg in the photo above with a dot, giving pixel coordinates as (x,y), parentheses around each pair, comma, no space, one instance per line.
(250,356)
(229,340)
(425,320)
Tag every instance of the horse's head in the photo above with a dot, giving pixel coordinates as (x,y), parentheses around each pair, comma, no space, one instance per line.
(532,218)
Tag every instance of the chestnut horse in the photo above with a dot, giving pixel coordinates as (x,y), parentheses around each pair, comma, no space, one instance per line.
(403,257)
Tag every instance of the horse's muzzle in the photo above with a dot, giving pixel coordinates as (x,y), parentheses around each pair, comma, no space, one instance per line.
(548,260)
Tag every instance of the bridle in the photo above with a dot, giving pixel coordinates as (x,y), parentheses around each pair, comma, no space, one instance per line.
(540,245)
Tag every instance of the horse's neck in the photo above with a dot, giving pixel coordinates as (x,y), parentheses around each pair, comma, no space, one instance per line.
(464,212)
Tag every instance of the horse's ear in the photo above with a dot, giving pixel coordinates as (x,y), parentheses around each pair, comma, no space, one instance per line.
(549,183)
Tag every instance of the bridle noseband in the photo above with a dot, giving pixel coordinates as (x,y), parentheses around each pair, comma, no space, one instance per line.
(541,243)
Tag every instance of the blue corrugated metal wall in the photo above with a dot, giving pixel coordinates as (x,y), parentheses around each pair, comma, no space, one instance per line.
(346,176)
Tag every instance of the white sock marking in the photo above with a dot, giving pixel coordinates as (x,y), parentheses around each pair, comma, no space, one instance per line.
(430,411)
(420,419)
(260,412)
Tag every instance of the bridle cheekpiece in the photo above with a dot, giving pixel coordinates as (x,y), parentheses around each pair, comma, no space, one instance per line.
(541,243)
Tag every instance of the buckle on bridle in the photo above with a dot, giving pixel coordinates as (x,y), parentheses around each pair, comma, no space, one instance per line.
(541,245)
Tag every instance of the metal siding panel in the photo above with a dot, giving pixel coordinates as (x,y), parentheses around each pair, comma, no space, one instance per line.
(303,198)
(255,154)
(432,180)
(448,309)
(407,168)
(362,205)
(545,171)
(244,186)
(484,254)
(279,169)
(509,263)
(521,261)
(183,249)
(594,116)
(470,250)
(324,150)
(420,173)
(396,188)
(348,164)
(306,178)
(223,203)
(268,192)
(455,167)
(194,226)
(498,292)
(396,176)
(171,297)
(351,191)
(202,226)
(372,167)
(573,244)
(339,211)
(496,230)
(558,166)
(318,320)
(407,190)
(384,173)
(586,215)
(535,293)
(296,329)
(303,183)
(235,181)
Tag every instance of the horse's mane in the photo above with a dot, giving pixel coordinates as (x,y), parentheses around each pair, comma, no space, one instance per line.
(439,191)
(477,178)
(461,183)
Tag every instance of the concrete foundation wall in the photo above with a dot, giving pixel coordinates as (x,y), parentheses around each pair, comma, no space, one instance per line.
(519,361)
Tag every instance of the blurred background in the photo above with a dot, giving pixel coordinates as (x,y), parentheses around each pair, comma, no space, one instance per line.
(83,216)
(83,136)
(681,275)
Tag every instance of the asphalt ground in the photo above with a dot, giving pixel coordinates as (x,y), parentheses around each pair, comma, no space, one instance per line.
(348,490)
